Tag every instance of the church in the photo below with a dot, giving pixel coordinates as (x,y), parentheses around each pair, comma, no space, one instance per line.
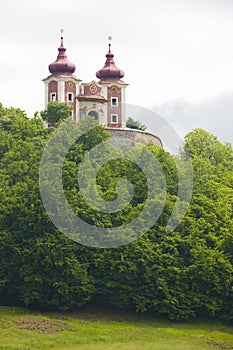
(103,100)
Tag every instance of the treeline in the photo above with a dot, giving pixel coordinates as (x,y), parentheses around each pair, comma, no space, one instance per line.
(182,274)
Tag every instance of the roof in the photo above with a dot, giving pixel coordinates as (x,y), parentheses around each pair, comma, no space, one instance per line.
(110,72)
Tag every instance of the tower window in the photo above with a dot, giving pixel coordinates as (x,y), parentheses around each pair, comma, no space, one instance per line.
(114,118)
(53,96)
(70,97)
(114,101)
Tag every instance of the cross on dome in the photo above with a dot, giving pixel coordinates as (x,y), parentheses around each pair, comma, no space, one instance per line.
(110,73)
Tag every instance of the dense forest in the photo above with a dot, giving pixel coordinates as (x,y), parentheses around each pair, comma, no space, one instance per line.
(182,274)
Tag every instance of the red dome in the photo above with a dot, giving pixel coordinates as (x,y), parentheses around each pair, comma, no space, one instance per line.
(110,72)
(62,66)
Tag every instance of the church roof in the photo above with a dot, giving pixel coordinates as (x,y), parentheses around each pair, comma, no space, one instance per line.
(62,66)
(110,73)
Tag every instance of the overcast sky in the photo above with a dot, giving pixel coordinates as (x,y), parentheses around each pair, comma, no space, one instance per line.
(177,54)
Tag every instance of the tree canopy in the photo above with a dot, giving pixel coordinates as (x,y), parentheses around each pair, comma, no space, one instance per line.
(135,124)
(56,112)
(182,274)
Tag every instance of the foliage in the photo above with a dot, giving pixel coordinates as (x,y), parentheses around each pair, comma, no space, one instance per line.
(33,253)
(56,112)
(135,124)
(186,273)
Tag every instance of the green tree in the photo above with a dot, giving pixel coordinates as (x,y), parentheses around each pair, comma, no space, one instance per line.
(39,267)
(135,124)
(189,271)
(51,274)
(56,112)
(181,274)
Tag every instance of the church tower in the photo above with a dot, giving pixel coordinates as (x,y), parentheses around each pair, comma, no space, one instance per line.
(113,89)
(62,85)
(103,100)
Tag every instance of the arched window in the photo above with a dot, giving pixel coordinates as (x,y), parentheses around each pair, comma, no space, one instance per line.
(94,114)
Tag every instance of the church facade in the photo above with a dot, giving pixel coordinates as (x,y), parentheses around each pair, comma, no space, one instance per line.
(103,100)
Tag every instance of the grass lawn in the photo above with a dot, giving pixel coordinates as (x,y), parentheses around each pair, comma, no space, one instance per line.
(21,329)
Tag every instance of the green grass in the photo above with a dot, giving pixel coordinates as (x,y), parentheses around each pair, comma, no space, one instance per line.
(21,329)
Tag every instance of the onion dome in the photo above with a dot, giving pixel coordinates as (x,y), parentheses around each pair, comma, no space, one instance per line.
(110,73)
(62,66)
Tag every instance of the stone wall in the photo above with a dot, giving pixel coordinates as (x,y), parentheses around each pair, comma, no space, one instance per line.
(127,138)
